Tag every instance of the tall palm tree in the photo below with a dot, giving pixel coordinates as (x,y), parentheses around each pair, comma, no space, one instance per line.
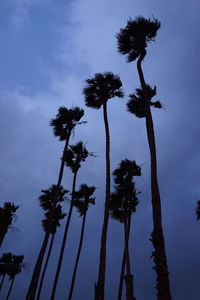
(59,215)
(75,155)
(132,42)
(7,214)
(14,269)
(123,203)
(5,262)
(47,201)
(82,199)
(97,92)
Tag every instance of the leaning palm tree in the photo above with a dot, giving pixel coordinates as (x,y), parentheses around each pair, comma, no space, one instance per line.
(47,201)
(132,42)
(7,214)
(123,203)
(59,215)
(75,155)
(63,126)
(5,262)
(97,92)
(82,199)
(14,269)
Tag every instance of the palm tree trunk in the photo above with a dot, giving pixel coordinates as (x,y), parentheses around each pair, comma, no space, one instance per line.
(64,240)
(160,259)
(36,274)
(45,266)
(99,288)
(77,258)
(10,289)
(2,280)
(123,268)
(128,276)
(3,231)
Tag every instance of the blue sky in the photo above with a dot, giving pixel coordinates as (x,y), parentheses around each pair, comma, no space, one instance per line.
(48,49)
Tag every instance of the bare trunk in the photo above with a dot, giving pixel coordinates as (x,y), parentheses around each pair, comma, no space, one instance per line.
(10,289)
(99,288)
(163,284)
(2,280)
(3,231)
(45,266)
(64,241)
(77,258)
(36,273)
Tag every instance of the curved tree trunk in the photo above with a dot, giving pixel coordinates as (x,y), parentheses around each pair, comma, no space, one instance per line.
(64,240)
(77,258)
(99,288)
(45,266)
(128,276)
(160,259)
(36,273)
(10,289)
(2,280)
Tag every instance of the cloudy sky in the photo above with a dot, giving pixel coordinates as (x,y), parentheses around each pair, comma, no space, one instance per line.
(48,49)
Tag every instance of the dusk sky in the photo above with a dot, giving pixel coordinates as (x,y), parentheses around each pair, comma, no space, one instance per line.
(48,49)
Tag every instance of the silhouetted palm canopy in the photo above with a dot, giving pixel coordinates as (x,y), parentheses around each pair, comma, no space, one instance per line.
(136,104)
(124,199)
(47,201)
(82,198)
(75,155)
(198,210)
(16,265)
(65,121)
(100,88)
(134,38)
(5,262)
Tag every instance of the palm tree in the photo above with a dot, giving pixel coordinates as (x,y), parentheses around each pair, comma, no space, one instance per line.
(132,42)
(14,269)
(97,92)
(59,215)
(47,201)
(198,210)
(7,214)
(82,199)
(74,156)
(5,261)
(123,203)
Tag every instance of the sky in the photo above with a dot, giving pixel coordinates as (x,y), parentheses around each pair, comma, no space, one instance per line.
(48,49)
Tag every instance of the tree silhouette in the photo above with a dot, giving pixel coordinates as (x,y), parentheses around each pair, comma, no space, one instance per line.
(7,214)
(75,155)
(198,210)
(123,203)
(97,92)
(5,262)
(14,268)
(132,42)
(47,201)
(59,215)
(82,199)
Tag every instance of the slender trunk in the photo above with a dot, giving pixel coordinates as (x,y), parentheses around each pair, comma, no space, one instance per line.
(2,280)
(10,289)
(35,277)
(64,240)
(77,258)
(45,266)
(128,276)
(3,231)
(36,273)
(160,259)
(99,288)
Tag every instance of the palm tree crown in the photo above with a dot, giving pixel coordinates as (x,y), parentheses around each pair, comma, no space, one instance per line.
(136,105)
(82,198)
(75,155)
(7,212)
(65,121)
(198,210)
(134,38)
(100,88)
